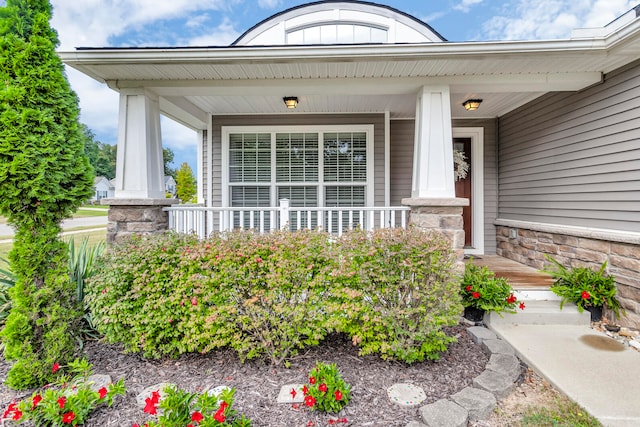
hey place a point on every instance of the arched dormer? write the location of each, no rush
(339, 22)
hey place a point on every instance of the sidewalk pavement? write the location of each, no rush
(91, 221)
(595, 371)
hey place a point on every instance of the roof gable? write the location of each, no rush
(339, 22)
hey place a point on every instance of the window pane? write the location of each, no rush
(346, 196)
(345, 157)
(328, 34)
(378, 35)
(250, 157)
(295, 37)
(345, 33)
(249, 197)
(297, 157)
(312, 35)
(306, 196)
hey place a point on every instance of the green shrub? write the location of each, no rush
(480, 288)
(584, 286)
(7, 281)
(400, 290)
(272, 295)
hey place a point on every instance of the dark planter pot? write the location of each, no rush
(474, 314)
(596, 313)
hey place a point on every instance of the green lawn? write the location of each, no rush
(83, 212)
(93, 236)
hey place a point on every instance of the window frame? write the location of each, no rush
(368, 129)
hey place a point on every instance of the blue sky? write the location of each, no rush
(101, 23)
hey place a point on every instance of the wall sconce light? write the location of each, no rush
(290, 101)
(471, 104)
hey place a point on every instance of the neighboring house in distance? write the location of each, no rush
(103, 188)
(170, 185)
(551, 130)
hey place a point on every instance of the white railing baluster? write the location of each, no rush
(202, 220)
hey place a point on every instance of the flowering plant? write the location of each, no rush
(480, 288)
(584, 286)
(67, 402)
(181, 408)
(326, 390)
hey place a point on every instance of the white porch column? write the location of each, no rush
(139, 163)
(433, 148)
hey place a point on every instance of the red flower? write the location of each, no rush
(102, 392)
(322, 387)
(55, 367)
(12, 407)
(190, 425)
(68, 417)
(219, 416)
(36, 399)
(62, 401)
(522, 306)
(468, 288)
(258, 260)
(224, 405)
(585, 295)
(194, 301)
(310, 423)
(293, 393)
(476, 295)
(17, 414)
(338, 395)
(305, 390)
(511, 299)
(197, 416)
(312, 380)
(150, 406)
(310, 401)
(155, 396)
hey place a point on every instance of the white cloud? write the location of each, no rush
(465, 5)
(177, 136)
(268, 4)
(223, 35)
(551, 19)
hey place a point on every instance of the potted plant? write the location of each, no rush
(482, 291)
(589, 289)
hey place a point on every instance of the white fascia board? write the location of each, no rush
(331, 53)
(370, 86)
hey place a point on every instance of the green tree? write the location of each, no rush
(186, 185)
(102, 157)
(167, 158)
(45, 176)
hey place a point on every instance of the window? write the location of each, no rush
(319, 167)
(341, 33)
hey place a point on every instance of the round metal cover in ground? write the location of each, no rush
(406, 395)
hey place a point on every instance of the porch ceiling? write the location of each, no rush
(195, 82)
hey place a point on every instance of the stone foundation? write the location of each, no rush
(579, 249)
(136, 216)
(441, 215)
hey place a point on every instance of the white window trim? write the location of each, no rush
(476, 134)
(367, 129)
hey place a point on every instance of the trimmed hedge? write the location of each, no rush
(272, 295)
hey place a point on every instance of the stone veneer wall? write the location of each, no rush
(623, 259)
(136, 216)
(442, 216)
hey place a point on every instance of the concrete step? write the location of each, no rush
(540, 312)
(535, 294)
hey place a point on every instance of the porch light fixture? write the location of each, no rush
(290, 101)
(471, 104)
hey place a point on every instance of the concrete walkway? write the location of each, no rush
(7, 231)
(597, 372)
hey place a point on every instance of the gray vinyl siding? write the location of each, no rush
(574, 158)
(402, 135)
(377, 120)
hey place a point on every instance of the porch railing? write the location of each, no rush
(336, 220)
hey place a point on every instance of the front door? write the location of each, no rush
(463, 187)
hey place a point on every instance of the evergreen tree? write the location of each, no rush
(186, 184)
(44, 177)
(102, 157)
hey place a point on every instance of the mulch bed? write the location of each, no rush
(258, 384)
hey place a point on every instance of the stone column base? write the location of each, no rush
(443, 216)
(136, 216)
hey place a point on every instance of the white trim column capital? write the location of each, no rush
(433, 150)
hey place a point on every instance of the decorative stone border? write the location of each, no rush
(476, 403)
